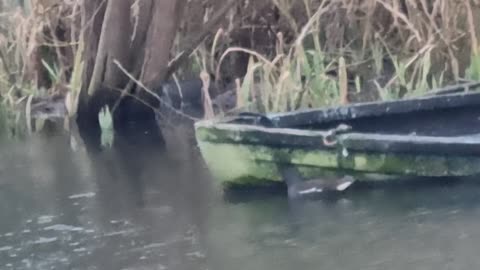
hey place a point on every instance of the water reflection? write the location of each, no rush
(60, 210)
(431, 227)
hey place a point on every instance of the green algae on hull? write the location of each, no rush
(244, 154)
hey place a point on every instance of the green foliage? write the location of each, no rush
(11, 125)
(106, 125)
(413, 77)
(4, 127)
(296, 78)
(53, 72)
(473, 71)
(324, 90)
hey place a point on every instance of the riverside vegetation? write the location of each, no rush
(266, 55)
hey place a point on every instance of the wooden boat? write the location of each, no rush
(430, 136)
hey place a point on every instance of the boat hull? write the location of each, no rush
(251, 155)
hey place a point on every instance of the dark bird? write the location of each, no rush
(299, 187)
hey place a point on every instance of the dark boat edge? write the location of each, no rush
(443, 98)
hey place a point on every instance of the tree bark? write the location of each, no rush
(161, 33)
(139, 35)
(113, 45)
(93, 13)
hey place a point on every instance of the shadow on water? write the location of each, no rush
(121, 209)
(130, 209)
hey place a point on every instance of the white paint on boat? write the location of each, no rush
(82, 195)
(344, 186)
(310, 190)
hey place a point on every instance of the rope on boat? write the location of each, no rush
(331, 138)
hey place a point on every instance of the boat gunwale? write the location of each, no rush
(351, 141)
(375, 109)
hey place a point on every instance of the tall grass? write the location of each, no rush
(36, 58)
(295, 78)
(428, 43)
(301, 54)
(473, 71)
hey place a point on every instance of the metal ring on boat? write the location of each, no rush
(342, 128)
(327, 142)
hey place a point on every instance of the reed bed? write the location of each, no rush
(274, 55)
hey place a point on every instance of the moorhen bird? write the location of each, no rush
(299, 187)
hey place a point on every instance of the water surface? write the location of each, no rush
(58, 211)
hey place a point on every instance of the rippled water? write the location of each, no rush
(57, 212)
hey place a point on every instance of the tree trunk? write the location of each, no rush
(89, 130)
(138, 34)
